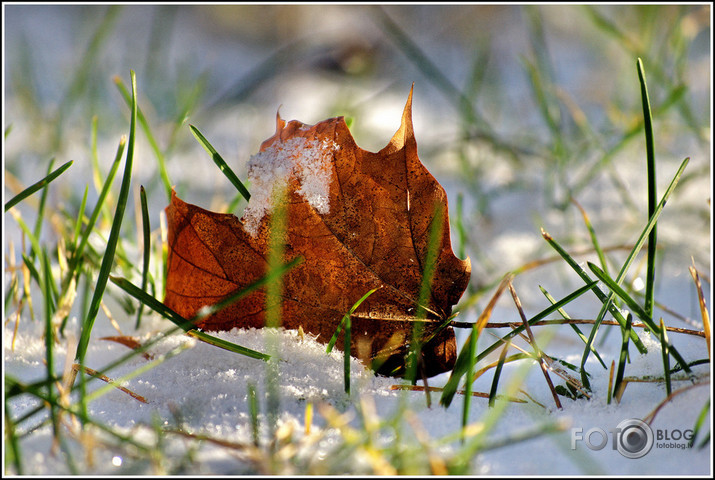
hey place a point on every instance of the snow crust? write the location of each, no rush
(303, 159)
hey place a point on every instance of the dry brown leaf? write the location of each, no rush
(360, 220)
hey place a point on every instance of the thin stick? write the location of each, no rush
(76, 367)
(575, 321)
(532, 341)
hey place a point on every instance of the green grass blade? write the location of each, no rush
(146, 231)
(161, 160)
(124, 439)
(221, 163)
(13, 454)
(428, 270)
(253, 412)
(110, 386)
(43, 200)
(592, 234)
(637, 309)
(462, 363)
(497, 373)
(80, 218)
(346, 354)
(472, 345)
(108, 258)
(597, 291)
(652, 193)
(622, 359)
(700, 422)
(355, 306)
(34, 274)
(34, 243)
(37, 186)
(575, 328)
(228, 346)
(74, 261)
(666, 357)
(49, 336)
(188, 324)
(459, 226)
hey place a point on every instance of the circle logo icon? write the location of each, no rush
(635, 438)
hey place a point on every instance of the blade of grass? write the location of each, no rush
(346, 354)
(617, 388)
(461, 364)
(428, 268)
(536, 318)
(592, 234)
(221, 163)
(601, 296)
(274, 297)
(473, 339)
(43, 200)
(188, 325)
(161, 160)
(37, 186)
(13, 454)
(139, 350)
(699, 423)
(14, 384)
(80, 218)
(75, 260)
(497, 373)
(146, 230)
(355, 306)
(459, 226)
(253, 412)
(637, 309)
(652, 193)
(34, 243)
(49, 337)
(563, 313)
(490, 420)
(108, 258)
(666, 357)
(112, 384)
(346, 349)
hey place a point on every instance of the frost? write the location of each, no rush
(307, 160)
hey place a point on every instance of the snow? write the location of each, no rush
(304, 159)
(204, 389)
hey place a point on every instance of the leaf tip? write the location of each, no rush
(280, 123)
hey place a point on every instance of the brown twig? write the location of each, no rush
(532, 341)
(574, 321)
(76, 367)
(128, 342)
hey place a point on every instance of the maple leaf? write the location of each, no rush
(360, 220)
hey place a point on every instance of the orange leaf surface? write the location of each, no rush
(360, 220)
